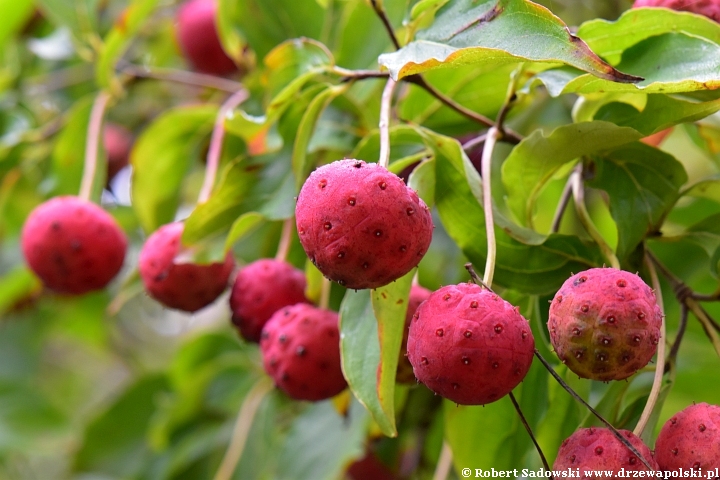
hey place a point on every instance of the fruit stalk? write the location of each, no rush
(213, 158)
(285, 239)
(91, 144)
(249, 408)
(485, 171)
(578, 190)
(384, 125)
(660, 362)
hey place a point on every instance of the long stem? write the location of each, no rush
(485, 171)
(325, 293)
(444, 462)
(249, 408)
(213, 157)
(384, 124)
(529, 431)
(562, 206)
(181, 76)
(92, 143)
(577, 397)
(285, 239)
(578, 190)
(660, 363)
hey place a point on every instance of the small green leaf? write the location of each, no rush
(79, 16)
(160, 159)
(68, 157)
(16, 285)
(245, 223)
(496, 32)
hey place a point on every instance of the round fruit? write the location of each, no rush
(417, 296)
(182, 286)
(73, 245)
(690, 439)
(599, 449)
(300, 346)
(605, 324)
(117, 141)
(709, 8)
(260, 289)
(198, 38)
(361, 225)
(469, 345)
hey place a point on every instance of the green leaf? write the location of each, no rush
(160, 159)
(610, 39)
(119, 38)
(224, 205)
(497, 32)
(371, 329)
(16, 285)
(27, 416)
(245, 223)
(14, 14)
(68, 157)
(708, 187)
(79, 16)
(534, 161)
(643, 184)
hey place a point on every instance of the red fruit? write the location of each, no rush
(361, 225)
(117, 141)
(469, 345)
(260, 289)
(198, 38)
(709, 8)
(605, 324)
(73, 245)
(417, 296)
(182, 286)
(370, 468)
(301, 351)
(598, 449)
(690, 439)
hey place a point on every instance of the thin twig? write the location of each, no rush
(285, 239)
(474, 142)
(713, 297)
(181, 76)
(386, 23)
(486, 168)
(529, 431)
(92, 142)
(475, 277)
(578, 190)
(672, 356)
(348, 75)
(384, 124)
(577, 397)
(444, 462)
(213, 157)
(660, 364)
(562, 206)
(245, 418)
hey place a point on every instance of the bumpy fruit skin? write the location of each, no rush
(690, 439)
(604, 324)
(198, 38)
(417, 296)
(598, 449)
(300, 346)
(469, 345)
(117, 141)
(361, 225)
(260, 289)
(182, 286)
(709, 8)
(73, 245)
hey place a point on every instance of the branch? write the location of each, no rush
(386, 23)
(384, 125)
(181, 76)
(92, 143)
(529, 430)
(562, 206)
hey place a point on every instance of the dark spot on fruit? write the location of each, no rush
(282, 338)
(572, 458)
(161, 276)
(357, 164)
(284, 377)
(524, 335)
(341, 282)
(365, 265)
(322, 183)
(466, 360)
(674, 451)
(606, 341)
(696, 466)
(424, 360)
(378, 233)
(580, 280)
(601, 357)
(673, 421)
(264, 334)
(498, 328)
(641, 316)
(495, 364)
(584, 308)
(610, 319)
(467, 334)
(340, 254)
(625, 358)
(701, 427)
(55, 225)
(559, 299)
(351, 201)
(273, 362)
(301, 232)
(517, 372)
(327, 226)
(636, 339)
(576, 331)
(632, 460)
(75, 245)
(473, 304)
(403, 248)
(382, 185)
(598, 450)
(621, 283)
(300, 352)
(439, 332)
(410, 211)
(579, 354)
(455, 386)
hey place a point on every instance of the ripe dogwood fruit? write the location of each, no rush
(469, 345)
(117, 141)
(300, 346)
(175, 284)
(198, 38)
(417, 296)
(260, 289)
(604, 324)
(73, 245)
(361, 225)
(709, 8)
(690, 439)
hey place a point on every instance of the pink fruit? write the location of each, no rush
(260, 289)
(73, 245)
(370, 468)
(598, 449)
(117, 141)
(198, 38)
(182, 286)
(469, 345)
(405, 373)
(361, 225)
(690, 439)
(300, 346)
(709, 8)
(604, 324)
